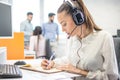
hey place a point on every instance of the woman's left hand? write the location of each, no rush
(72, 69)
(67, 67)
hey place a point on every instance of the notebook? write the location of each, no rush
(38, 68)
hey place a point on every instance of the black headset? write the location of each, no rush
(77, 15)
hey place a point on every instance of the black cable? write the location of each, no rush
(71, 32)
(80, 40)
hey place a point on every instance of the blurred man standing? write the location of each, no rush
(27, 27)
(51, 31)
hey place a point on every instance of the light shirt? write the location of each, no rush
(50, 30)
(40, 50)
(97, 55)
(27, 28)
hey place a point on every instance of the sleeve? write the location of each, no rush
(65, 58)
(110, 69)
(31, 47)
(22, 29)
(61, 61)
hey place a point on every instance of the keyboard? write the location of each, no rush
(10, 71)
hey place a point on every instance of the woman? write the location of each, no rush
(37, 42)
(90, 49)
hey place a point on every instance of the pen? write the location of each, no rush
(51, 57)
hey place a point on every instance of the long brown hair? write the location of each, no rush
(37, 32)
(91, 26)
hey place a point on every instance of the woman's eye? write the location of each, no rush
(64, 24)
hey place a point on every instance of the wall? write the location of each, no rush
(7, 1)
(106, 13)
(20, 9)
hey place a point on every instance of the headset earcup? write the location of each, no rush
(78, 17)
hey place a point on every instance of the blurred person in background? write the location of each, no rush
(27, 27)
(50, 31)
(37, 43)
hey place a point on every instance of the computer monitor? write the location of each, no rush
(5, 20)
(118, 32)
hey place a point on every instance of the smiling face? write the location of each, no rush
(66, 22)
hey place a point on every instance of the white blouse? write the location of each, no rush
(97, 55)
(41, 45)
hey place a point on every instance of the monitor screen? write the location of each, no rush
(5, 21)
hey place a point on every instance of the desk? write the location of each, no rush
(31, 75)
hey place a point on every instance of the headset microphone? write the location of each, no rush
(71, 32)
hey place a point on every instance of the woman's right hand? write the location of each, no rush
(46, 64)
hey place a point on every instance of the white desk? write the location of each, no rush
(31, 75)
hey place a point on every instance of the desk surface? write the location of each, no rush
(29, 75)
